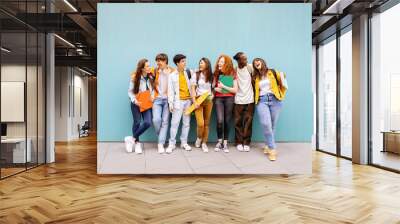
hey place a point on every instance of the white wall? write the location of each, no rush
(71, 93)
(61, 103)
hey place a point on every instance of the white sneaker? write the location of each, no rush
(218, 146)
(129, 144)
(239, 147)
(246, 148)
(197, 143)
(138, 148)
(186, 147)
(161, 148)
(204, 147)
(225, 148)
(170, 148)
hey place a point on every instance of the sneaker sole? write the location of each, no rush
(129, 149)
(171, 151)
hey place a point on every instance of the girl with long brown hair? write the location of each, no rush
(225, 88)
(201, 84)
(141, 81)
(270, 89)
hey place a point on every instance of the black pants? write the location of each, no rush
(224, 107)
(243, 123)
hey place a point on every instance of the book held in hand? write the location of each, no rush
(227, 80)
(199, 101)
(144, 99)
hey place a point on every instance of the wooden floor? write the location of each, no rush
(5, 172)
(70, 191)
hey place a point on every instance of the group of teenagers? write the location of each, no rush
(173, 90)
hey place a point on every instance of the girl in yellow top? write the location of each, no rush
(270, 90)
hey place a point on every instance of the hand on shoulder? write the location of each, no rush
(171, 69)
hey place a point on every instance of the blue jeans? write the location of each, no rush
(161, 118)
(268, 109)
(139, 126)
(178, 115)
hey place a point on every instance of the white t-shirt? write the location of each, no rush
(201, 86)
(265, 86)
(245, 93)
(162, 84)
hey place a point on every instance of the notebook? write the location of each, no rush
(227, 80)
(144, 99)
(199, 101)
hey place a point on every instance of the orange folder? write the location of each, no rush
(144, 99)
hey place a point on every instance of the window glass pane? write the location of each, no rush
(386, 89)
(41, 97)
(31, 97)
(327, 96)
(22, 87)
(14, 153)
(346, 93)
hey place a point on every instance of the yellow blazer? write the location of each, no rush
(278, 90)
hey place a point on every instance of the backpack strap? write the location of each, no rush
(147, 80)
(277, 82)
(197, 78)
(189, 74)
(276, 78)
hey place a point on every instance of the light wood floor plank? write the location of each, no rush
(70, 191)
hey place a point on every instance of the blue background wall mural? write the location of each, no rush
(279, 33)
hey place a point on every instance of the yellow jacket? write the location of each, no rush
(156, 73)
(278, 90)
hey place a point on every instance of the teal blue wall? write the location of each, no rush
(279, 33)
